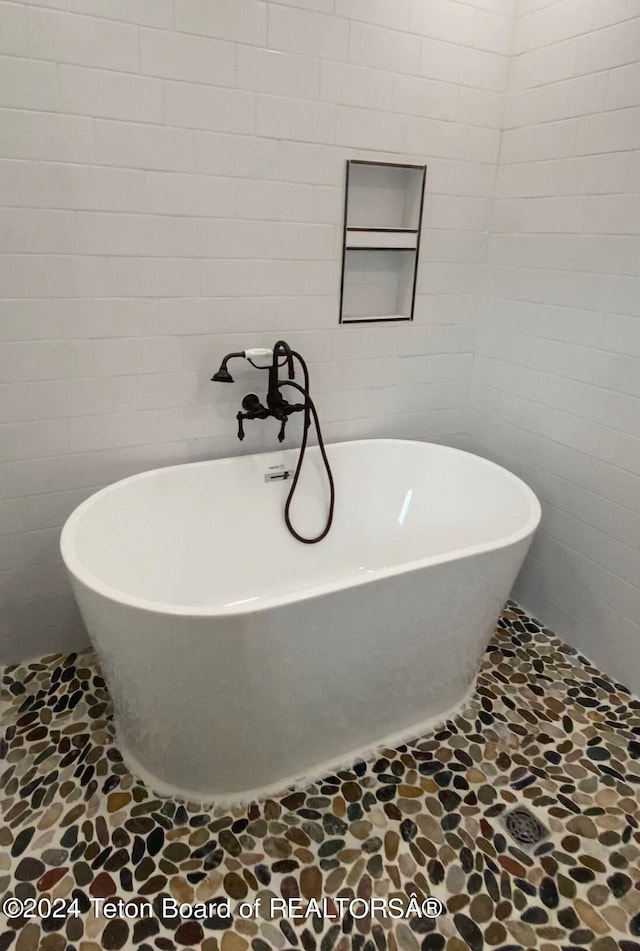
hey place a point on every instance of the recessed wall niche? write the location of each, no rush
(382, 221)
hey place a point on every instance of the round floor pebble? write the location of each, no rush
(319, 868)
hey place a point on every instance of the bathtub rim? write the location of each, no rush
(78, 570)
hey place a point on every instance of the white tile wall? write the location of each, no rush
(555, 393)
(171, 188)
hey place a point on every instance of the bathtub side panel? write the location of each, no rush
(222, 706)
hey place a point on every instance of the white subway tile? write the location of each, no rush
(41, 135)
(438, 368)
(272, 315)
(173, 193)
(52, 621)
(45, 359)
(286, 201)
(425, 97)
(19, 183)
(14, 29)
(26, 230)
(442, 20)
(302, 31)
(562, 20)
(588, 175)
(117, 357)
(314, 164)
(87, 41)
(108, 317)
(495, 72)
(357, 86)
(483, 145)
(632, 179)
(30, 548)
(34, 581)
(549, 64)
(107, 233)
(505, 7)
(609, 132)
(28, 84)
(112, 95)
(278, 73)
(430, 137)
(153, 277)
(442, 60)
(354, 404)
(615, 11)
(544, 215)
(27, 511)
(120, 462)
(393, 15)
(623, 87)
(493, 32)
(612, 215)
(26, 440)
(366, 129)
(480, 107)
(235, 155)
(584, 435)
(448, 177)
(159, 13)
(320, 6)
(203, 237)
(456, 213)
(222, 278)
(196, 59)
(54, 4)
(134, 145)
(527, 144)
(383, 49)
(109, 431)
(627, 452)
(90, 187)
(154, 390)
(24, 402)
(53, 276)
(298, 119)
(196, 106)
(573, 97)
(613, 254)
(428, 396)
(610, 47)
(242, 21)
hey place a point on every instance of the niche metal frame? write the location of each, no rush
(415, 249)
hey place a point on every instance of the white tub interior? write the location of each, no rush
(211, 536)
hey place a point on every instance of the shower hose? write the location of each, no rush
(309, 411)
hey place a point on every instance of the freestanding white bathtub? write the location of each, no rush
(239, 659)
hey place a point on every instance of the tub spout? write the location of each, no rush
(222, 375)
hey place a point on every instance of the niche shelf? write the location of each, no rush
(382, 219)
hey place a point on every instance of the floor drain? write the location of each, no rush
(524, 828)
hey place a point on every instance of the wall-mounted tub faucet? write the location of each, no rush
(272, 360)
(277, 406)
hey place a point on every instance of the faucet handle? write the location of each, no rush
(251, 403)
(239, 417)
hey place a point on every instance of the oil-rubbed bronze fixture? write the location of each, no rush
(278, 407)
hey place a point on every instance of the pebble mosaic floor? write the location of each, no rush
(545, 728)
